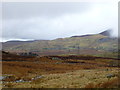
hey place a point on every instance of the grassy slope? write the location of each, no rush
(98, 42)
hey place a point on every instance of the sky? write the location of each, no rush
(51, 20)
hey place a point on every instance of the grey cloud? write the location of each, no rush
(56, 20)
(22, 10)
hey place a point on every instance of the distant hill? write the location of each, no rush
(106, 33)
(14, 43)
(85, 44)
(82, 36)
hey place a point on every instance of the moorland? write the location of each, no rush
(89, 61)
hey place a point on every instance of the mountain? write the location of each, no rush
(106, 33)
(14, 43)
(85, 44)
(82, 36)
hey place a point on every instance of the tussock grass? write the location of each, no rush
(68, 72)
(77, 79)
(114, 83)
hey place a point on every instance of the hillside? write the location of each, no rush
(14, 43)
(86, 44)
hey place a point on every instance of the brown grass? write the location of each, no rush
(44, 65)
(108, 84)
(35, 66)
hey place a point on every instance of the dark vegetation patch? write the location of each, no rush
(6, 56)
(79, 57)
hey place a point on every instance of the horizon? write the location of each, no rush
(110, 31)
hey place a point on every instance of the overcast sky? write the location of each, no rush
(51, 20)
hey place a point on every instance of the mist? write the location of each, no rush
(51, 20)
